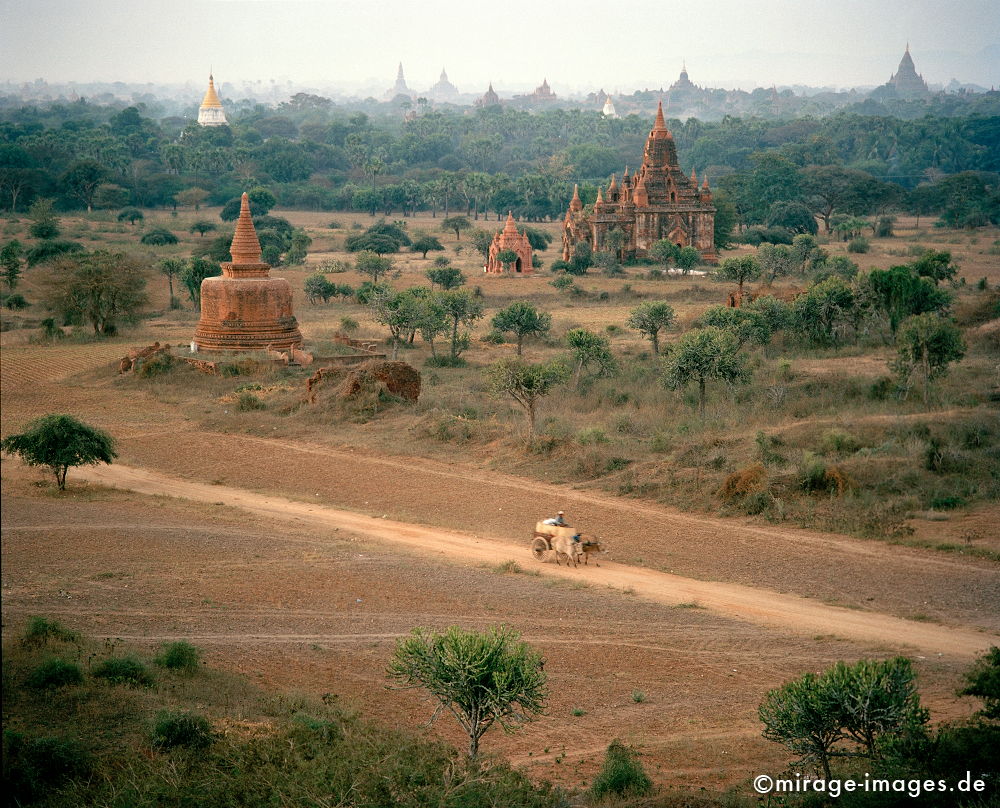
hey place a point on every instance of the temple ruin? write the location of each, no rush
(510, 239)
(657, 202)
(245, 309)
(210, 113)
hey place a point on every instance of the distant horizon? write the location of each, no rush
(578, 47)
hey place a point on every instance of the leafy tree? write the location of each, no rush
(740, 270)
(380, 238)
(802, 716)
(424, 243)
(793, 216)
(776, 261)
(82, 180)
(507, 258)
(456, 224)
(11, 260)
(201, 227)
(664, 251)
(899, 292)
(193, 197)
(44, 223)
(373, 265)
(130, 215)
(583, 258)
(197, 269)
(650, 318)
(687, 259)
(47, 250)
(296, 254)
(446, 277)
(481, 240)
(745, 324)
(725, 220)
(935, 265)
(703, 354)
(821, 310)
(261, 201)
(927, 343)
(588, 348)
(172, 268)
(983, 682)
(158, 237)
(526, 383)
(481, 678)
(318, 288)
(102, 288)
(615, 240)
(433, 320)
(522, 320)
(59, 442)
(462, 309)
(400, 311)
(539, 240)
(621, 775)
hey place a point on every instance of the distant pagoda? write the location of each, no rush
(608, 111)
(245, 309)
(905, 83)
(510, 238)
(399, 88)
(489, 98)
(210, 113)
(444, 90)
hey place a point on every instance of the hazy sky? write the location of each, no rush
(581, 45)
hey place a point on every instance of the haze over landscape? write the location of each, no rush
(579, 46)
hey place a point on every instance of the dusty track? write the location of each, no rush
(758, 606)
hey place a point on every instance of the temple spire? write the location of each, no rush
(245, 248)
(510, 227)
(660, 124)
(575, 203)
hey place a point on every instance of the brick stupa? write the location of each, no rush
(246, 309)
(510, 239)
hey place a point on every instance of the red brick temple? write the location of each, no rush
(245, 309)
(658, 202)
(510, 239)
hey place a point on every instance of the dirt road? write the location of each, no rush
(759, 606)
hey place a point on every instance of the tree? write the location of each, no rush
(373, 265)
(802, 716)
(522, 320)
(927, 343)
(650, 318)
(131, 215)
(507, 258)
(935, 265)
(102, 288)
(159, 237)
(82, 179)
(192, 197)
(703, 354)
(746, 324)
(539, 240)
(433, 320)
(462, 309)
(983, 682)
(59, 442)
(687, 259)
(481, 678)
(615, 240)
(525, 383)
(318, 288)
(739, 270)
(261, 201)
(400, 311)
(446, 277)
(424, 243)
(792, 216)
(201, 227)
(172, 268)
(827, 305)
(44, 223)
(588, 348)
(197, 269)
(776, 260)
(621, 775)
(481, 240)
(297, 248)
(456, 224)
(11, 260)
(899, 292)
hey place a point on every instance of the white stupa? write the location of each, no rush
(210, 113)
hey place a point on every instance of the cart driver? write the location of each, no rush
(556, 520)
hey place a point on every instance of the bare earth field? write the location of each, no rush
(299, 559)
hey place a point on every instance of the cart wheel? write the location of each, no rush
(539, 547)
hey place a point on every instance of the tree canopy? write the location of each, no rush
(61, 442)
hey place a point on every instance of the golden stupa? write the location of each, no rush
(210, 113)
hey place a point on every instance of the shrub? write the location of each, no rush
(47, 250)
(158, 237)
(156, 366)
(32, 767)
(16, 302)
(836, 441)
(187, 730)
(40, 630)
(621, 775)
(179, 656)
(349, 325)
(591, 436)
(638, 696)
(858, 245)
(53, 673)
(815, 476)
(248, 402)
(743, 482)
(124, 671)
(947, 502)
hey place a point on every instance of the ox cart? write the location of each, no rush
(563, 540)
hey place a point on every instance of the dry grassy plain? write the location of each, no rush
(297, 606)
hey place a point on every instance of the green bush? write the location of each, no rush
(188, 730)
(591, 436)
(180, 656)
(40, 630)
(16, 302)
(53, 673)
(32, 767)
(622, 775)
(158, 237)
(124, 671)
(947, 502)
(858, 245)
(247, 402)
(156, 366)
(836, 441)
(812, 473)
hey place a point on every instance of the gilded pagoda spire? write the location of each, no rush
(211, 98)
(245, 248)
